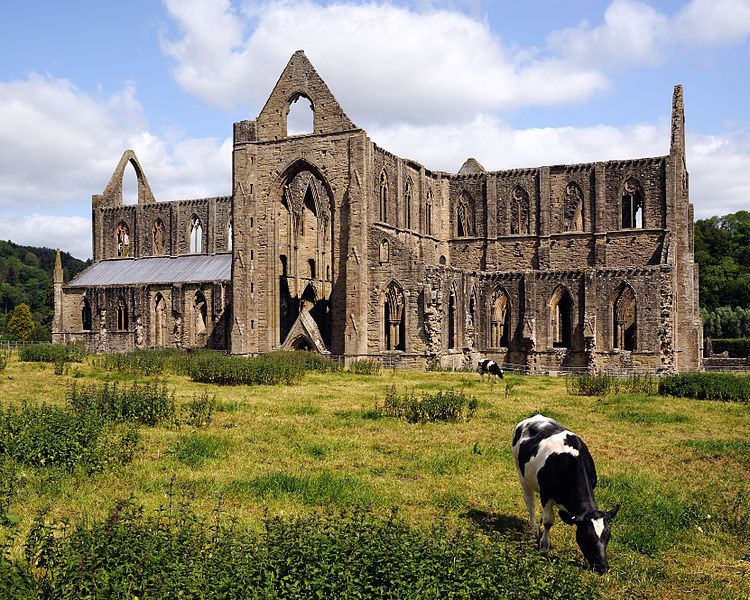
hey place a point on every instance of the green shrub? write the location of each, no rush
(4, 359)
(365, 367)
(152, 361)
(49, 436)
(200, 410)
(341, 555)
(145, 403)
(736, 347)
(268, 369)
(707, 386)
(52, 353)
(448, 405)
(591, 385)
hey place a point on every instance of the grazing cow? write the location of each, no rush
(487, 366)
(555, 463)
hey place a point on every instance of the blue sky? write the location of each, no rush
(515, 84)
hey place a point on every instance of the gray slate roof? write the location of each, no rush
(159, 269)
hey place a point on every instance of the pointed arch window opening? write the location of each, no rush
(428, 213)
(300, 118)
(196, 235)
(122, 239)
(407, 205)
(561, 319)
(625, 320)
(519, 223)
(230, 235)
(158, 237)
(465, 216)
(160, 321)
(383, 212)
(121, 315)
(129, 185)
(200, 310)
(452, 325)
(500, 320)
(86, 316)
(573, 216)
(394, 319)
(632, 204)
(385, 252)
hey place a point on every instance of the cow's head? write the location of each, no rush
(592, 535)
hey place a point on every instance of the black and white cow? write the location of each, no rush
(489, 367)
(555, 463)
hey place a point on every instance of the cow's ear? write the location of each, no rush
(568, 518)
(611, 514)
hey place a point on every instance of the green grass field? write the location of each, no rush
(679, 468)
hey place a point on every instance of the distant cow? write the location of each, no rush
(555, 463)
(489, 367)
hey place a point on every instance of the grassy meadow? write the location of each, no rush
(680, 468)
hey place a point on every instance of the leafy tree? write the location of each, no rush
(21, 323)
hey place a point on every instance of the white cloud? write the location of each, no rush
(633, 33)
(383, 61)
(70, 234)
(59, 145)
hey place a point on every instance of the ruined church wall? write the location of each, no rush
(214, 213)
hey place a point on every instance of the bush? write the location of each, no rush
(448, 405)
(52, 353)
(145, 403)
(4, 359)
(601, 385)
(153, 361)
(365, 367)
(200, 410)
(48, 436)
(736, 347)
(591, 385)
(340, 555)
(268, 369)
(707, 386)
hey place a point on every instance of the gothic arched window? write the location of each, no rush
(624, 319)
(86, 315)
(561, 318)
(519, 222)
(428, 213)
(157, 237)
(465, 215)
(500, 320)
(393, 318)
(383, 213)
(407, 204)
(121, 314)
(573, 207)
(122, 236)
(632, 204)
(196, 235)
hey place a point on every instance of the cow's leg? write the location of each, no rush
(528, 498)
(548, 519)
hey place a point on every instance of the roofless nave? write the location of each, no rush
(330, 242)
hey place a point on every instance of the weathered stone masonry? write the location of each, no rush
(329, 242)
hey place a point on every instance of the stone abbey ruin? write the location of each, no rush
(331, 243)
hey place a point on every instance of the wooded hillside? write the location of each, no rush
(26, 277)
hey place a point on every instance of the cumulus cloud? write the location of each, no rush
(59, 145)
(384, 61)
(633, 33)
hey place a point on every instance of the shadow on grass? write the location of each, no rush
(507, 526)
